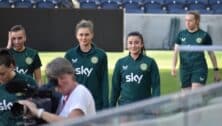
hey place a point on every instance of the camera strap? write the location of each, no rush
(62, 103)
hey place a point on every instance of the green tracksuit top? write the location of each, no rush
(193, 60)
(26, 61)
(134, 80)
(91, 70)
(6, 102)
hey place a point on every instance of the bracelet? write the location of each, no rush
(216, 69)
(39, 112)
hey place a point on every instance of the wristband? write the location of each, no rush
(216, 69)
(39, 112)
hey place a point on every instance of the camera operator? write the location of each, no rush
(7, 74)
(76, 100)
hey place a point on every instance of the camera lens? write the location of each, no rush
(54, 81)
(17, 109)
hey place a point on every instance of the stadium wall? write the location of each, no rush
(159, 30)
(54, 29)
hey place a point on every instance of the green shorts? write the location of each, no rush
(189, 76)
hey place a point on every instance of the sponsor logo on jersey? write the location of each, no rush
(134, 78)
(21, 71)
(94, 60)
(201, 78)
(199, 40)
(125, 67)
(183, 39)
(143, 66)
(5, 106)
(74, 60)
(28, 60)
(83, 71)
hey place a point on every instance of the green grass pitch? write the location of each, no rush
(169, 84)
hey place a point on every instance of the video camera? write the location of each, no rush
(41, 97)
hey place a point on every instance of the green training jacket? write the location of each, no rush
(134, 80)
(91, 70)
(26, 61)
(8, 99)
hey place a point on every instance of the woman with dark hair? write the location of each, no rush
(7, 75)
(136, 76)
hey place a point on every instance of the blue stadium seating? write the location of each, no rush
(133, 7)
(217, 9)
(212, 2)
(176, 6)
(130, 1)
(155, 6)
(118, 1)
(216, 6)
(200, 5)
(88, 1)
(203, 2)
(5, 4)
(45, 4)
(110, 4)
(57, 1)
(89, 4)
(130, 6)
(63, 3)
(23, 4)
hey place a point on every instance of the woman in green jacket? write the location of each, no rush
(136, 76)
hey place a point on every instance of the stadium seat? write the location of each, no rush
(93, 4)
(5, 4)
(155, 6)
(203, 2)
(212, 2)
(176, 6)
(45, 4)
(110, 4)
(118, 1)
(133, 7)
(84, 0)
(23, 3)
(64, 3)
(216, 6)
(217, 9)
(131, 1)
(200, 5)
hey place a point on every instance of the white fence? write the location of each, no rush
(200, 107)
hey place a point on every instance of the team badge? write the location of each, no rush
(74, 60)
(125, 67)
(202, 79)
(199, 40)
(94, 60)
(143, 66)
(183, 39)
(28, 60)
(19, 94)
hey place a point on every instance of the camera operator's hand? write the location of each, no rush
(31, 107)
